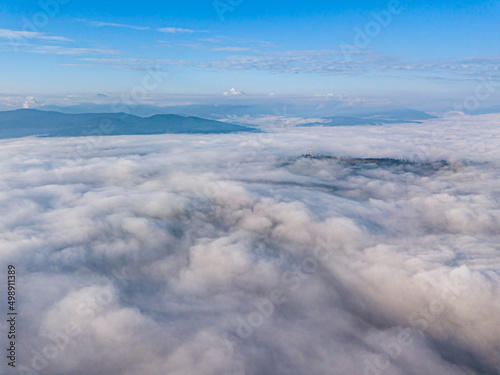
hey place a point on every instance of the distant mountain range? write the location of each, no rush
(222, 111)
(29, 122)
(34, 122)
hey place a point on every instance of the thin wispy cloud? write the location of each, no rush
(285, 62)
(471, 66)
(328, 62)
(109, 60)
(227, 39)
(232, 49)
(320, 61)
(331, 62)
(177, 30)
(41, 43)
(202, 46)
(110, 24)
(211, 40)
(133, 64)
(17, 35)
(58, 50)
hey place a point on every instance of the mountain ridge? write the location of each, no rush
(33, 122)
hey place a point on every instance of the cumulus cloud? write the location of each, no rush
(233, 91)
(227, 254)
(30, 101)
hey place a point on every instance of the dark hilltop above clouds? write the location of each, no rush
(30, 122)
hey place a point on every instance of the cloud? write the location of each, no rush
(30, 101)
(337, 62)
(71, 51)
(230, 254)
(471, 67)
(286, 62)
(233, 91)
(226, 39)
(16, 36)
(122, 63)
(176, 30)
(34, 42)
(231, 49)
(109, 24)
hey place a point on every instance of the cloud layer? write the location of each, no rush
(226, 254)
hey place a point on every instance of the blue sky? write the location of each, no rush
(390, 50)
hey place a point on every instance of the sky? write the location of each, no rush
(401, 52)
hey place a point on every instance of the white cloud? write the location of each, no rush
(110, 24)
(336, 62)
(17, 36)
(30, 101)
(161, 254)
(71, 51)
(231, 49)
(35, 42)
(176, 30)
(233, 91)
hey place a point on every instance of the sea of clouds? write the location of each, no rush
(227, 254)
